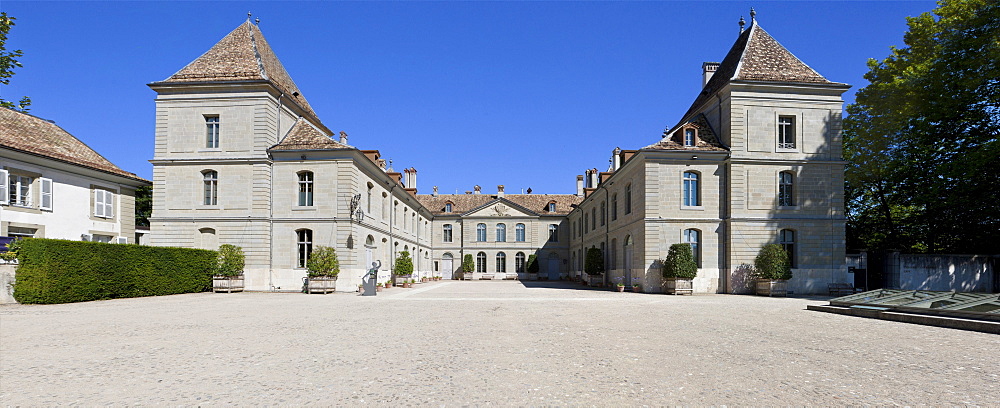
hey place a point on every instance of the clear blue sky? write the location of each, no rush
(525, 94)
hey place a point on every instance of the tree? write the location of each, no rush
(467, 264)
(772, 263)
(404, 264)
(922, 138)
(593, 264)
(323, 262)
(532, 266)
(8, 61)
(230, 261)
(143, 205)
(679, 263)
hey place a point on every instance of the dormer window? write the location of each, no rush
(689, 137)
(552, 206)
(447, 207)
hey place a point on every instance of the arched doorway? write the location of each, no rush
(369, 251)
(447, 266)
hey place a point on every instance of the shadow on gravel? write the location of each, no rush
(560, 285)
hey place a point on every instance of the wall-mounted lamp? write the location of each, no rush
(693, 157)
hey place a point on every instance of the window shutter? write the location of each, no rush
(98, 202)
(109, 204)
(4, 194)
(46, 194)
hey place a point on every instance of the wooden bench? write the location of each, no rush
(841, 289)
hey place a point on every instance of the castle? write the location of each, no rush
(241, 158)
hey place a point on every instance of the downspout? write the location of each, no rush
(392, 238)
(270, 207)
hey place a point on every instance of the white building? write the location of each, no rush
(53, 186)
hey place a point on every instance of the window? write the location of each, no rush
(519, 262)
(46, 187)
(104, 203)
(614, 207)
(385, 205)
(691, 189)
(501, 262)
(20, 232)
(604, 213)
(447, 207)
(693, 237)
(519, 232)
(501, 232)
(552, 206)
(305, 246)
(553, 233)
(614, 255)
(306, 189)
(212, 132)
(593, 218)
(628, 199)
(586, 223)
(481, 233)
(20, 190)
(689, 137)
(447, 233)
(368, 199)
(787, 240)
(481, 262)
(211, 178)
(786, 184)
(786, 132)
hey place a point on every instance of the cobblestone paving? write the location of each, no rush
(482, 343)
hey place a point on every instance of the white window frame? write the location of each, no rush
(519, 235)
(212, 130)
(303, 247)
(690, 136)
(104, 203)
(787, 238)
(19, 190)
(46, 187)
(4, 188)
(210, 187)
(447, 232)
(481, 232)
(781, 137)
(553, 233)
(691, 189)
(501, 266)
(692, 237)
(501, 232)
(786, 190)
(306, 188)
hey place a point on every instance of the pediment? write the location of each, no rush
(499, 209)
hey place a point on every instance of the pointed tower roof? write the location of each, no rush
(303, 136)
(39, 137)
(242, 55)
(756, 56)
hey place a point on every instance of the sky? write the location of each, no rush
(524, 94)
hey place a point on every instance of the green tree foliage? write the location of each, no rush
(230, 261)
(8, 61)
(593, 263)
(467, 264)
(323, 262)
(143, 205)
(532, 266)
(680, 263)
(921, 139)
(772, 263)
(404, 264)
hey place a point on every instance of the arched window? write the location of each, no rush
(304, 246)
(604, 213)
(211, 179)
(519, 232)
(786, 238)
(501, 262)
(447, 233)
(691, 189)
(628, 199)
(209, 240)
(552, 206)
(553, 233)
(593, 218)
(501, 232)
(614, 254)
(368, 198)
(786, 189)
(406, 219)
(693, 237)
(385, 206)
(689, 135)
(614, 207)
(481, 262)
(447, 207)
(370, 241)
(481, 233)
(305, 189)
(519, 262)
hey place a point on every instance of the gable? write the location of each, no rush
(499, 209)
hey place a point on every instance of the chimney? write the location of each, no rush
(413, 178)
(593, 177)
(617, 159)
(500, 190)
(435, 194)
(381, 164)
(707, 70)
(343, 137)
(579, 185)
(406, 178)
(479, 190)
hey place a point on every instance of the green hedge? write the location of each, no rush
(58, 271)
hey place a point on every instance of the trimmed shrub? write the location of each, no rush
(772, 263)
(404, 264)
(593, 264)
(323, 262)
(58, 271)
(230, 261)
(532, 263)
(467, 264)
(680, 263)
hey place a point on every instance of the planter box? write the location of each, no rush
(399, 279)
(678, 286)
(532, 276)
(772, 287)
(595, 280)
(227, 284)
(322, 285)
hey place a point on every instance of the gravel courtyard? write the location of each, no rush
(482, 343)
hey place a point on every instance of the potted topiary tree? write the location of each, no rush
(678, 270)
(228, 275)
(532, 267)
(772, 270)
(593, 265)
(467, 266)
(403, 267)
(323, 270)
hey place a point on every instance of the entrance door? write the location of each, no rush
(553, 268)
(446, 267)
(628, 260)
